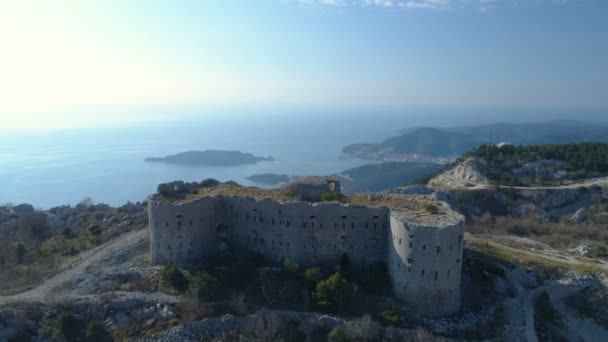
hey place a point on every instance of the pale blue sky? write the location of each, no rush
(61, 57)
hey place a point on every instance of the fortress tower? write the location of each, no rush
(420, 240)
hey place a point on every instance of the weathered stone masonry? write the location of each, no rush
(424, 259)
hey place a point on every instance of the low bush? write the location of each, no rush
(332, 293)
(68, 327)
(333, 197)
(96, 332)
(312, 275)
(430, 207)
(204, 286)
(291, 267)
(337, 334)
(174, 277)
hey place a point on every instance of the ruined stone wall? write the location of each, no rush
(184, 233)
(425, 264)
(424, 261)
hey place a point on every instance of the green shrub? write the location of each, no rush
(20, 252)
(67, 232)
(73, 251)
(173, 276)
(204, 286)
(94, 229)
(312, 275)
(68, 327)
(240, 271)
(337, 334)
(430, 207)
(392, 317)
(96, 332)
(291, 267)
(547, 320)
(333, 197)
(332, 293)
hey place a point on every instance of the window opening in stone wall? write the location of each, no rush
(344, 225)
(436, 275)
(352, 225)
(424, 247)
(399, 240)
(321, 225)
(303, 224)
(167, 223)
(457, 261)
(448, 274)
(450, 247)
(272, 221)
(438, 249)
(422, 273)
(287, 224)
(410, 244)
(335, 225)
(366, 225)
(376, 217)
(459, 239)
(190, 222)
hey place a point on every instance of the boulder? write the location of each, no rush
(579, 216)
(583, 250)
(523, 210)
(121, 319)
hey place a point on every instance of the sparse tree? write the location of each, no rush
(33, 225)
(204, 286)
(337, 334)
(87, 202)
(20, 252)
(332, 293)
(67, 232)
(96, 332)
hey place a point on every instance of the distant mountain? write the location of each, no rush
(426, 141)
(429, 144)
(210, 157)
(551, 132)
(383, 176)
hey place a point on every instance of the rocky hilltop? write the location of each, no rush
(529, 166)
(210, 157)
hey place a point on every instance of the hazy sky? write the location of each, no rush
(60, 59)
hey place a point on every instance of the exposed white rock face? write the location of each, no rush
(579, 216)
(462, 175)
(523, 210)
(583, 250)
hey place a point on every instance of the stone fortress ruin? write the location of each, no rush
(420, 239)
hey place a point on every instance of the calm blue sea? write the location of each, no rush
(63, 167)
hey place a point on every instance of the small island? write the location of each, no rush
(269, 178)
(210, 157)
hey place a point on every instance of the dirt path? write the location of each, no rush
(596, 181)
(42, 292)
